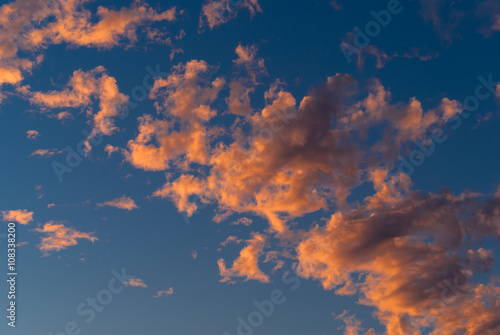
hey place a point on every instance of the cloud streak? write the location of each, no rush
(123, 202)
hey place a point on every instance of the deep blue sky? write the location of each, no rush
(299, 43)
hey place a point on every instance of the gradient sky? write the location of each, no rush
(342, 152)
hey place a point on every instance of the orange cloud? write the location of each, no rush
(403, 255)
(61, 116)
(81, 90)
(160, 294)
(123, 202)
(352, 325)
(230, 240)
(46, 152)
(135, 282)
(12, 68)
(67, 21)
(32, 134)
(21, 216)
(59, 237)
(184, 97)
(292, 158)
(241, 88)
(295, 157)
(242, 221)
(72, 23)
(247, 264)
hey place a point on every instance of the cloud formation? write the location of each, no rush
(135, 282)
(396, 249)
(164, 293)
(81, 91)
(247, 264)
(401, 251)
(123, 202)
(300, 158)
(217, 12)
(59, 237)
(32, 134)
(45, 153)
(21, 216)
(29, 26)
(184, 98)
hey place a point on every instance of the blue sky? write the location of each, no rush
(193, 180)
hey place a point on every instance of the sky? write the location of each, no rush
(222, 167)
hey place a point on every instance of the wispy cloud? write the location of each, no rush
(59, 237)
(32, 134)
(123, 202)
(164, 293)
(45, 153)
(217, 12)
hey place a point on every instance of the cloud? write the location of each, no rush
(242, 221)
(489, 10)
(61, 116)
(403, 251)
(292, 158)
(59, 237)
(123, 202)
(246, 265)
(32, 134)
(352, 325)
(444, 17)
(231, 240)
(11, 67)
(45, 153)
(29, 26)
(381, 57)
(240, 89)
(21, 216)
(111, 149)
(289, 158)
(72, 23)
(217, 12)
(80, 92)
(135, 282)
(160, 294)
(184, 98)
